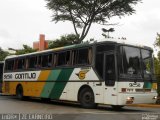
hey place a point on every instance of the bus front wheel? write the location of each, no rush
(19, 92)
(86, 98)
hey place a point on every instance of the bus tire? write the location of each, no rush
(86, 98)
(19, 92)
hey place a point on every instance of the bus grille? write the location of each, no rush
(143, 90)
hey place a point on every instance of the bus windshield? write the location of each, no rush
(147, 65)
(135, 63)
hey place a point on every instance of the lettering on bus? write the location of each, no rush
(134, 85)
(25, 76)
(20, 76)
(8, 76)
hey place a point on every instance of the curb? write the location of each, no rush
(2, 94)
(145, 105)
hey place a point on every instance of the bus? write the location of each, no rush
(107, 72)
(1, 74)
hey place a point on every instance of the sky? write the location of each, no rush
(21, 22)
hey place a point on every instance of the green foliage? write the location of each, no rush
(157, 63)
(3, 54)
(157, 73)
(26, 49)
(64, 40)
(82, 13)
(157, 42)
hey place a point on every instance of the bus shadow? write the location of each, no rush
(101, 108)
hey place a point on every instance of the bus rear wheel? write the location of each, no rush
(19, 92)
(86, 98)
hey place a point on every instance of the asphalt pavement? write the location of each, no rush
(72, 111)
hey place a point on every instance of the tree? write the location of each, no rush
(26, 49)
(157, 73)
(3, 54)
(107, 31)
(157, 64)
(157, 41)
(64, 40)
(82, 13)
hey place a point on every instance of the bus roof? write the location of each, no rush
(123, 42)
(114, 41)
(50, 50)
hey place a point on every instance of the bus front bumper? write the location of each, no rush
(136, 98)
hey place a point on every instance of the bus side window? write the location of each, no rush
(44, 60)
(75, 56)
(15, 64)
(72, 57)
(90, 53)
(27, 63)
(21, 63)
(82, 56)
(32, 62)
(9, 65)
(55, 60)
(50, 59)
(64, 58)
(61, 59)
(39, 63)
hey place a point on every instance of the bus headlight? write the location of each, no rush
(155, 97)
(129, 100)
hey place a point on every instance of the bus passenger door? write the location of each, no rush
(110, 77)
(109, 69)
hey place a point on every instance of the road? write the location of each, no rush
(72, 111)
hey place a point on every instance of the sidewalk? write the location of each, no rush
(146, 105)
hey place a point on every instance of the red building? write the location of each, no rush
(42, 44)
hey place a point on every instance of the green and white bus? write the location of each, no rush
(107, 72)
(1, 74)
